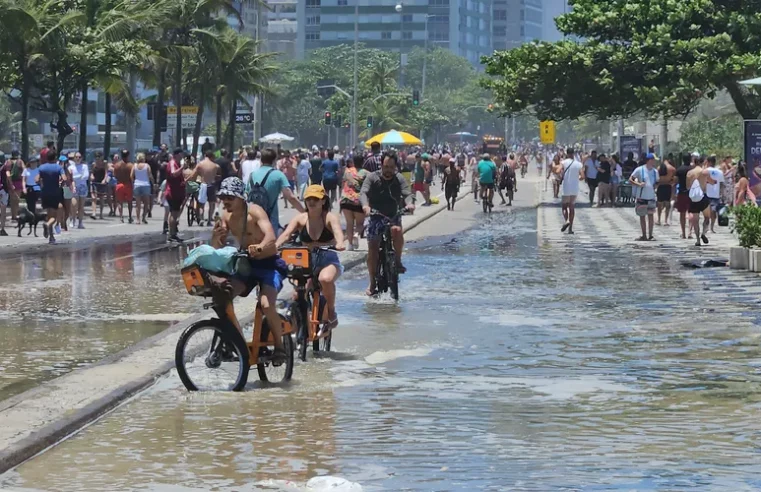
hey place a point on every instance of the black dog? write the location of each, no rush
(27, 217)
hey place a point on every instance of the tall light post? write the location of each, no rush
(399, 9)
(425, 55)
(353, 132)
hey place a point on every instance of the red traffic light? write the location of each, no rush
(327, 114)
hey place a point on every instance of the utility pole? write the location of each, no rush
(353, 131)
(258, 97)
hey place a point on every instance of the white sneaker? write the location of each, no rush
(355, 242)
(350, 247)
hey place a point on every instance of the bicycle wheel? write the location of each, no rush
(191, 214)
(322, 344)
(484, 203)
(392, 273)
(267, 371)
(300, 320)
(212, 356)
(380, 272)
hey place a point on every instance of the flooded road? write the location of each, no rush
(76, 306)
(506, 365)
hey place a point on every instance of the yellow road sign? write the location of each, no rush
(547, 132)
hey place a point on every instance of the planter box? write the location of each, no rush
(738, 258)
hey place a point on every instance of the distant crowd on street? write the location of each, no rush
(689, 183)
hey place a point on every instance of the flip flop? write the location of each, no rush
(565, 226)
(704, 239)
(371, 293)
(278, 357)
(641, 238)
(401, 268)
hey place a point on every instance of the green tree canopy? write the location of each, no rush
(657, 57)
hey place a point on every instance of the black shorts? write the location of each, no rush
(211, 193)
(352, 207)
(175, 204)
(329, 184)
(663, 193)
(51, 200)
(486, 186)
(697, 207)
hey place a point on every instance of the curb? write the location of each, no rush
(57, 430)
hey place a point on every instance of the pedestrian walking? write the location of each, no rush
(573, 173)
(644, 179)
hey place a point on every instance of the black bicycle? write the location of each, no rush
(387, 271)
(194, 215)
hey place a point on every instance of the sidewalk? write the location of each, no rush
(40, 417)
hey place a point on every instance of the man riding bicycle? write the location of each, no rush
(487, 171)
(384, 191)
(251, 226)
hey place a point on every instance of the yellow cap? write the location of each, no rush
(315, 191)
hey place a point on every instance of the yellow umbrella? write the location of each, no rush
(394, 138)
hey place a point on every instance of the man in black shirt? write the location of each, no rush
(629, 165)
(683, 193)
(226, 166)
(316, 174)
(384, 191)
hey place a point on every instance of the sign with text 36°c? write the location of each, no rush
(547, 132)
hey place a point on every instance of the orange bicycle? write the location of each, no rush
(211, 354)
(307, 311)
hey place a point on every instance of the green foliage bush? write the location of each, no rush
(748, 225)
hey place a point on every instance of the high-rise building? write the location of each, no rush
(553, 9)
(516, 22)
(282, 27)
(462, 26)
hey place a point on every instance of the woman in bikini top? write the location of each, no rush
(328, 266)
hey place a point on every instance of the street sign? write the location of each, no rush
(188, 116)
(245, 118)
(547, 132)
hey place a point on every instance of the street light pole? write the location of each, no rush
(353, 131)
(400, 8)
(425, 57)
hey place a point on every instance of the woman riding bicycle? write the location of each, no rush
(318, 227)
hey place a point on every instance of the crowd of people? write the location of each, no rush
(691, 184)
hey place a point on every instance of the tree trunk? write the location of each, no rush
(131, 118)
(231, 125)
(740, 98)
(178, 102)
(83, 121)
(107, 135)
(218, 136)
(159, 111)
(25, 115)
(62, 121)
(199, 118)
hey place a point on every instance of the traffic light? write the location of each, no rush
(338, 121)
(415, 97)
(369, 122)
(327, 118)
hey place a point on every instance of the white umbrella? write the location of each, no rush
(756, 81)
(276, 138)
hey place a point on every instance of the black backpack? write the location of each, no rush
(258, 193)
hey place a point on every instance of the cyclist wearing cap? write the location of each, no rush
(318, 227)
(250, 225)
(486, 170)
(384, 191)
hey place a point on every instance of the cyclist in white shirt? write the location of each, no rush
(573, 173)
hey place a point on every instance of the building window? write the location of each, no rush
(499, 31)
(313, 36)
(523, 14)
(439, 3)
(343, 3)
(407, 18)
(386, 35)
(523, 31)
(406, 35)
(500, 15)
(313, 20)
(313, 3)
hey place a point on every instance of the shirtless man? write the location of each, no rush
(251, 227)
(123, 174)
(697, 179)
(666, 179)
(207, 169)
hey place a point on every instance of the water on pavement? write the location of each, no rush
(76, 306)
(507, 365)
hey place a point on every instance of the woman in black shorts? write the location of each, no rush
(351, 207)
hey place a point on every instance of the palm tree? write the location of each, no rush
(24, 26)
(382, 75)
(186, 18)
(117, 90)
(386, 116)
(243, 72)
